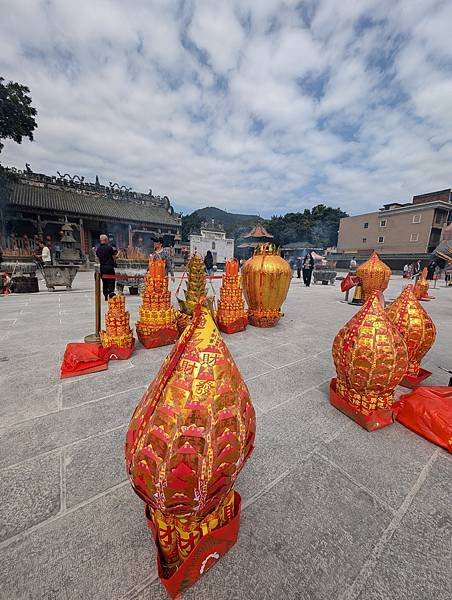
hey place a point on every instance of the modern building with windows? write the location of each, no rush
(212, 237)
(407, 229)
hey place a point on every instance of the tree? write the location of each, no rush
(17, 115)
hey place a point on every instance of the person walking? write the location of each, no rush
(299, 266)
(406, 268)
(208, 262)
(106, 255)
(308, 266)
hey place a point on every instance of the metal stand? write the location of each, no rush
(94, 338)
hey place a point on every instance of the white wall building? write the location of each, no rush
(213, 238)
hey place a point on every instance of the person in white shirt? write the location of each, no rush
(46, 255)
(353, 264)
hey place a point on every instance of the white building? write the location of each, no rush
(213, 238)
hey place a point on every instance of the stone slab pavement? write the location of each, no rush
(329, 511)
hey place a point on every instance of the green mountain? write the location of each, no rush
(233, 223)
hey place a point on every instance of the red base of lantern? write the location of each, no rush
(380, 417)
(120, 353)
(263, 321)
(162, 337)
(234, 327)
(208, 551)
(412, 381)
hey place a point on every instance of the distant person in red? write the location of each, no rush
(106, 255)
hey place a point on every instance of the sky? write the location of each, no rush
(253, 106)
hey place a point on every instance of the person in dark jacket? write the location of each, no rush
(308, 266)
(208, 262)
(106, 255)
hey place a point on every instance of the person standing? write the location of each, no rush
(46, 255)
(161, 253)
(353, 264)
(208, 262)
(106, 255)
(299, 266)
(406, 268)
(308, 266)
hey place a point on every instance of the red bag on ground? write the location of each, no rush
(428, 412)
(80, 359)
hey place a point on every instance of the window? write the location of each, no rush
(383, 223)
(381, 239)
(414, 237)
(213, 245)
(416, 218)
(366, 225)
(364, 240)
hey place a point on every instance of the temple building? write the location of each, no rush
(35, 207)
(212, 237)
(257, 235)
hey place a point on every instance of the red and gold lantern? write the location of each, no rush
(374, 275)
(371, 359)
(117, 334)
(188, 439)
(231, 314)
(156, 325)
(266, 279)
(421, 286)
(415, 326)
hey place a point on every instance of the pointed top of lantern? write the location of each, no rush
(414, 325)
(370, 356)
(185, 404)
(374, 275)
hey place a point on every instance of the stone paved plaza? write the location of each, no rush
(329, 510)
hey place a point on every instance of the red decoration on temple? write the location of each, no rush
(156, 325)
(231, 314)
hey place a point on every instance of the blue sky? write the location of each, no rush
(261, 106)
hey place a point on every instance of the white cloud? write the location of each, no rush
(250, 105)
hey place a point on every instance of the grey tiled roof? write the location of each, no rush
(70, 201)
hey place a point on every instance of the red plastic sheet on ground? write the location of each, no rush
(349, 282)
(428, 412)
(81, 358)
(204, 555)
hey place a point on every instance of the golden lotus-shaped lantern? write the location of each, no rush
(414, 325)
(266, 278)
(188, 439)
(374, 275)
(196, 285)
(371, 359)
